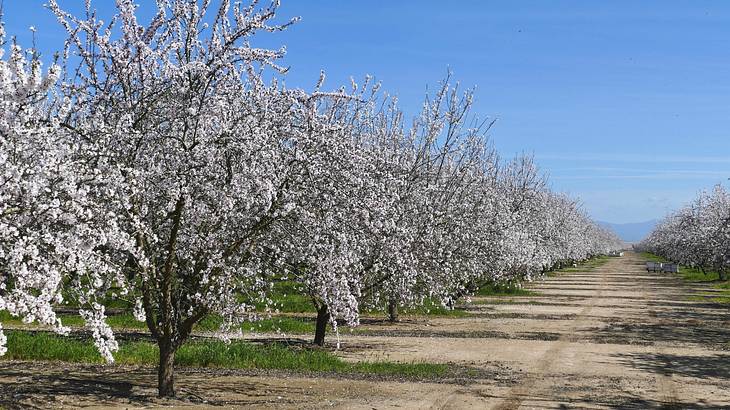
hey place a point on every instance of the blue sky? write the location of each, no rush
(625, 104)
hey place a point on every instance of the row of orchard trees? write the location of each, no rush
(159, 164)
(697, 235)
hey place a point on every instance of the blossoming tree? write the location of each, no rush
(164, 166)
(201, 150)
(696, 235)
(52, 228)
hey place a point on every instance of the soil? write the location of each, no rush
(612, 337)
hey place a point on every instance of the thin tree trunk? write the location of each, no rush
(393, 309)
(167, 305)
(323, 317)
(165, 383)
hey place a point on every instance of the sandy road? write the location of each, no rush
(613, 337)
(535, 381)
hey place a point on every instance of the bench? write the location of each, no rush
(670, 268)
(662, 267)
(653, 267)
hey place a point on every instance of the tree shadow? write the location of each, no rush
(636, 333)
(33, 388)
(638, 403)
(283, 341)
(702, 367)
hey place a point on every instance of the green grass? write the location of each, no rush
(651, 257)
(716, 297)
(695, 275)
(208, 353)
(127, 321)
(723, 285)
(121, 321)
(46, 346)
(689, 274)
(288, 297)
(514, 289)
(274, 324)
(504, 289)
(501, 301)
(721, 297)
(292, 303)
(583, 266)
(432, 308)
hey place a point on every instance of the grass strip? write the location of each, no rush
(696, 275)
(292, 325)
(504, 289)
(583, 266)
(689, 274)
(650, 257)
(238, 354)
(432, 308)
(506, 301)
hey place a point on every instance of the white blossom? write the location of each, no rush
(697, 235)
(166, 166)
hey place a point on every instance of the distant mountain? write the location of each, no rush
(631, 232)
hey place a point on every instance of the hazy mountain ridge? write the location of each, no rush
(633, 231)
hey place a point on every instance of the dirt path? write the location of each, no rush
(613, 337)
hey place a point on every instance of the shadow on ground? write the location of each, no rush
(33, 389)
(703, 367)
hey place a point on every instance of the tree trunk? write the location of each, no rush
(393, 309)
(323, 317)
(165, 386)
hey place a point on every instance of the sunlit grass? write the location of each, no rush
(584, 266)
(502, 301)
(287, 297)
(687, 273)
(650, 257)
(512, 289)
(209, 353)
(504, 289)
(126, 321)
(721, 298)
(695, 275)
(432, 308)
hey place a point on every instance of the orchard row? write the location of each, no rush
(164, 165)
(697, 235)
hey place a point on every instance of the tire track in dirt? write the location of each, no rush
(665, 384)
(534, 382)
